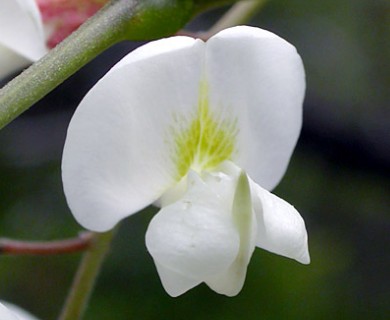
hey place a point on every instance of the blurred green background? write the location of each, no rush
(338, 179)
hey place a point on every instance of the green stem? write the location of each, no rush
(203, 5)
(240, 13)
(86, 276)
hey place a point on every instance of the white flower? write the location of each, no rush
(179, 123)
(22, 39)
(9, 311)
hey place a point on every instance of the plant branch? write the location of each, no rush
(17, 247)
(86, 276)
(239, 13)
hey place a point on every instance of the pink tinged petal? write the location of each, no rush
(21, 29)
(194, 237)
(62, 17)
(231, 281)
(281, 229)
(258, 78)
(118, 154)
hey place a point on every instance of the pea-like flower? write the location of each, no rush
(203, 130)
(22, 39)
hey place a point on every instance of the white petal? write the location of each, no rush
(231, 281)
(10, 61)
(6, 314)
(21, 28)
(281, 229)
(118, 152)
(10, 311)
(194, 236)
(174, 283)
(258, 78)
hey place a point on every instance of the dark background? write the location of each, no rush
(338, 179)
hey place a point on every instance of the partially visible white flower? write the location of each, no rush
(29, 27)
(187, 125)
(22, 39)
(10, 311)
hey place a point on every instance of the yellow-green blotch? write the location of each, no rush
(207, 141)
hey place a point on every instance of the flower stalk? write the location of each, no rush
(18, 247)
(86, 276)
(240, 13)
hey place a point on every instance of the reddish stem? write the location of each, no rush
(17, 247)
